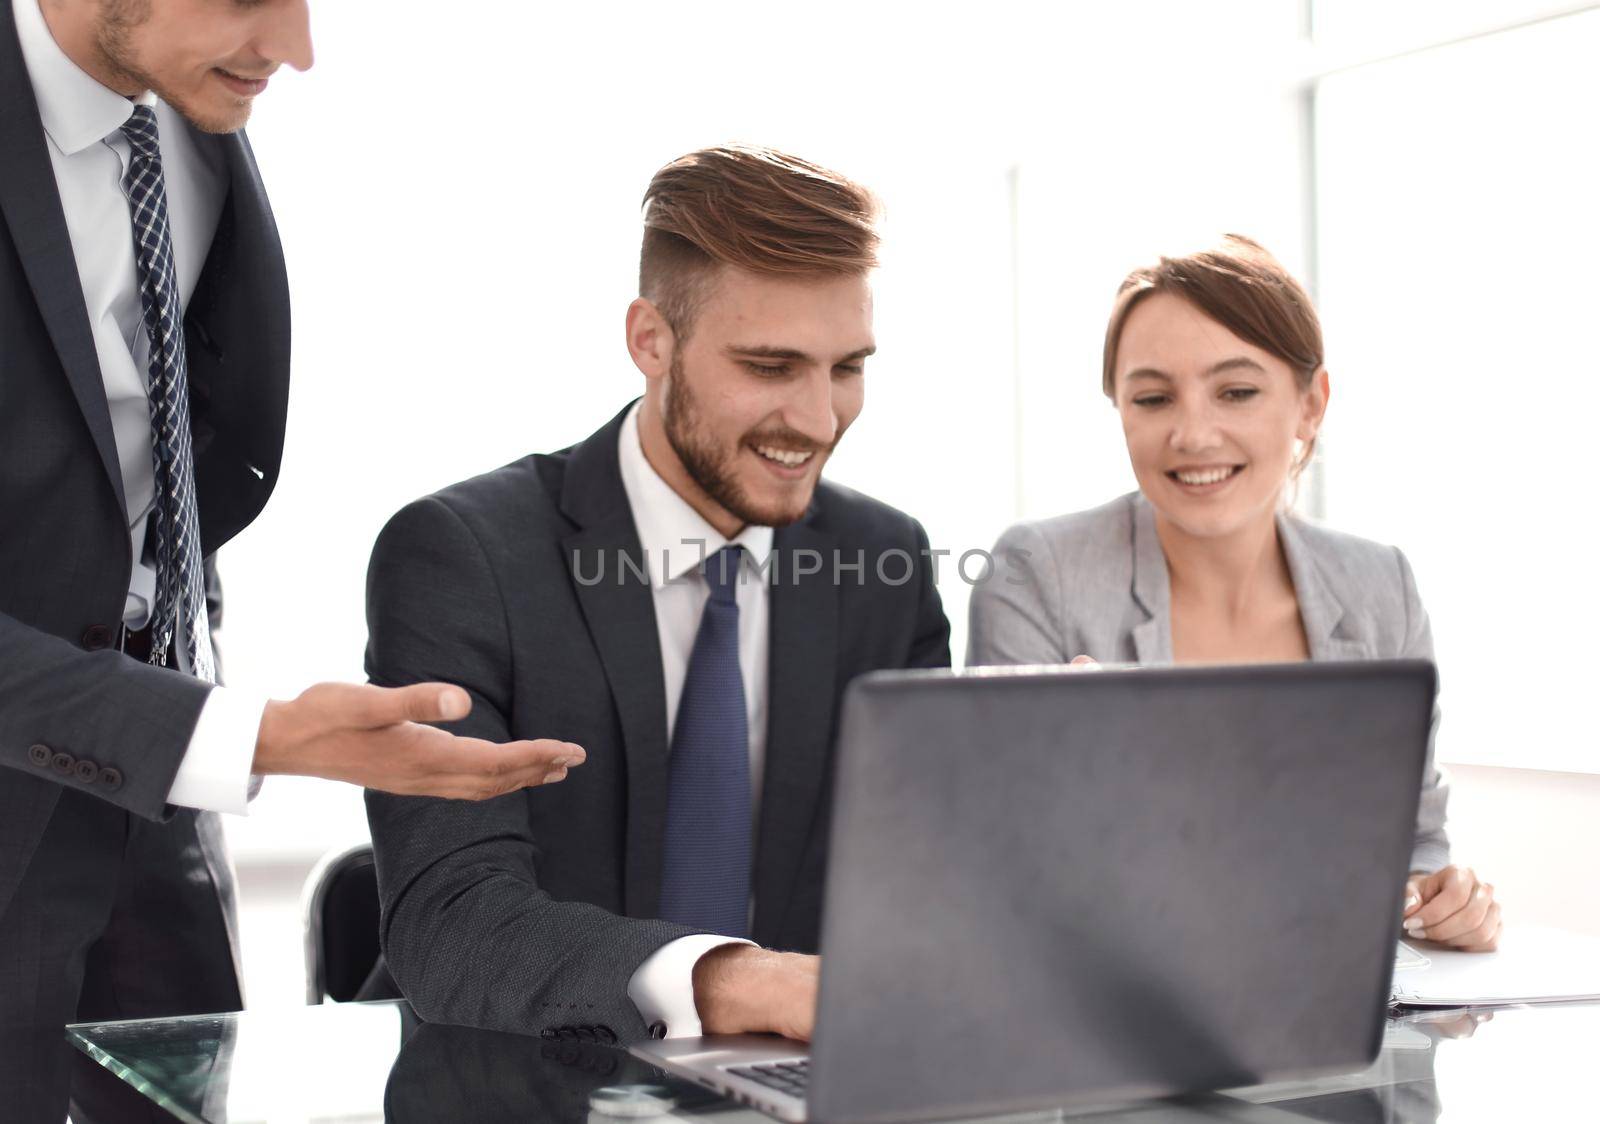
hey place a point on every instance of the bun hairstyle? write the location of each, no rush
(755, 209)
(1241, 286)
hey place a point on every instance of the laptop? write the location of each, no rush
(1052, 889)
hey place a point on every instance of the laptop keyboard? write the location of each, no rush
(785, 1077)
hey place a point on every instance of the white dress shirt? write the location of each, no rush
(83, 124)
(676, 539)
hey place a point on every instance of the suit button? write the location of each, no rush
(87, 771)
(96, 637)
(585, 1034)
(39, 755)
(658, 1030)
(549, 1032)
(63, 763)
(111, 778)
(605, 1034)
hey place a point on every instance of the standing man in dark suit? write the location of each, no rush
(144, 366)
(681, 594)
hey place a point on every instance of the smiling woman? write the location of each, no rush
(1214, 361)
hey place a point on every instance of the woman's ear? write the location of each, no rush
(1313, 406)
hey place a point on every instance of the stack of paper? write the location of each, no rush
(1531, 966)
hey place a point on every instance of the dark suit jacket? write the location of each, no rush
(65, 561)
(530, 912)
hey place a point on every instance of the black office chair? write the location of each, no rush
(340, 903)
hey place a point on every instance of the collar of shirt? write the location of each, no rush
(671, 531)
(76, 110)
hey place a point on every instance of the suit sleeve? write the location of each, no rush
(469, 934)
(930, 647)
(62, 707)
(1009, 618)
(1432, 849)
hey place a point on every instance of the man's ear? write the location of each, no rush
(650, 339)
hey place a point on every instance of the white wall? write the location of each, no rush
(1460, 225)
(1532, 834)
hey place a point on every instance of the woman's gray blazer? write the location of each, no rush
(1095, 583)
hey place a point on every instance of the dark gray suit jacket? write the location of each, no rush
(531, 912)
(65, 561)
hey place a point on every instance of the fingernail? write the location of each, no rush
(451, 705)
(1413, 930)
(1411, 901)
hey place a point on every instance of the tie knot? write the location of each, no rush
(721, 571)
(142, 133)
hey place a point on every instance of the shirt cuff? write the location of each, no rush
(663, 986)
(214, 775)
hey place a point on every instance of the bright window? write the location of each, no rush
(1458, 209)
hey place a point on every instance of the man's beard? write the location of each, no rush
(114, 38)
(710, 468)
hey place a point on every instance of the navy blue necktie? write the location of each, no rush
(705, 874)
(180, 596)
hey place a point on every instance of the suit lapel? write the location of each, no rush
(1152, 589)
(32, 207)
(237, 324)
(1331, 634)
(803, 649)
(620, 612)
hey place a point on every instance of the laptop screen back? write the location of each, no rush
(1050, 887)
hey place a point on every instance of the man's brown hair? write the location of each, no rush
(1241, 286)
(752, 208)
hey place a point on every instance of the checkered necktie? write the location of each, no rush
(705, 868)
(180, 596)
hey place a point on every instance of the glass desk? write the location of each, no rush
(358, 1062)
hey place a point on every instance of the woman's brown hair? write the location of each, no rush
(1241, 286)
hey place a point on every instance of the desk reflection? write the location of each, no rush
(453, 1073)
(360, 1063)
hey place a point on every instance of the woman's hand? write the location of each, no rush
(1451, 907)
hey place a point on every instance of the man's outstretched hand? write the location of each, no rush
(375, 737)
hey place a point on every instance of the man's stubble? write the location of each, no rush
(710, 468)
(114, 42)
